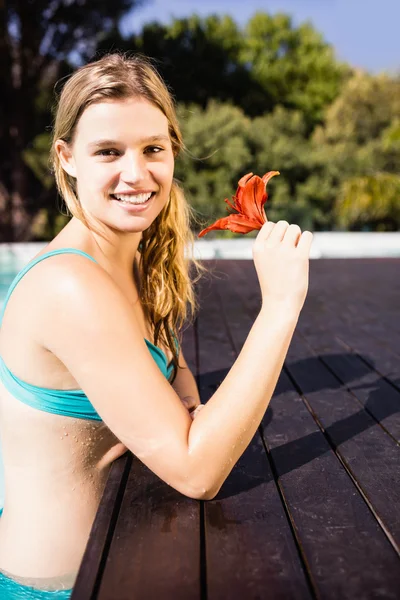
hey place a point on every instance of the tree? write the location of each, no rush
(36, 39)
(370, 200)
(224, 144)
(366, 106)
(266, 63)
(294, 66)
(360, 151)
(198, 58)
(217, 155)
(279, 143)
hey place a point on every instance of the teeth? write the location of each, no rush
(133, 198)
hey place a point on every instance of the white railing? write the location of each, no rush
(327, 244)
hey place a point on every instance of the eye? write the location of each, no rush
(107, 152)
(154, 149)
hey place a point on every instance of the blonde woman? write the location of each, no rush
(91, 364)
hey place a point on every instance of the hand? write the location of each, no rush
(281, 258)
(192, 405)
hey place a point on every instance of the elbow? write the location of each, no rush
(201, 495)
(208, 496)
(204, 492)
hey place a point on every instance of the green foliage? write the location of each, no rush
(320, 174)
(294, 66)
(269, 96)
(391, 136)
(359, 152)
(367, 105)
(36, 157)
(217, 154)
(37, 39)
(370, 199)
(46, 224)
(268, 62)
(228, 144)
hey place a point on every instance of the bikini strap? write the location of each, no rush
(32, 264)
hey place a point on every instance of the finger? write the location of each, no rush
(292, 235)
(265, 230)
(196, 411)
(277, 234)
(304, 244)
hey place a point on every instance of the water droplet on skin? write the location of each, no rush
(61, 438)
(66, 433)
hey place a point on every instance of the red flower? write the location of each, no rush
(249, 203)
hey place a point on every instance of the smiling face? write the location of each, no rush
(123, 163)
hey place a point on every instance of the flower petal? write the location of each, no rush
(237, 199)
(269, 176)
(241, 224)
(249, 203)
(243, 180)
(253, 199)
(219, 224)
(235, 223)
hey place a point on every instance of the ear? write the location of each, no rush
(65, 156)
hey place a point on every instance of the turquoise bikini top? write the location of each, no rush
(71, 403)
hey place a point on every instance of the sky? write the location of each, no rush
(364, 33)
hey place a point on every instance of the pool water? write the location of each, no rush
(7, 274)
(10, 264)
(6, 277)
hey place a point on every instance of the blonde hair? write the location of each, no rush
(167, 282)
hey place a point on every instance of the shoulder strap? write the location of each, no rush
(32, 264)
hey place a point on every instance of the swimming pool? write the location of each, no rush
(9, 267)
(12, 259)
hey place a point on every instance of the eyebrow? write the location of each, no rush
(152, 138)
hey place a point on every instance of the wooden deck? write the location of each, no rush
(312, 509)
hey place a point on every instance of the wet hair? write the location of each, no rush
(168, 268)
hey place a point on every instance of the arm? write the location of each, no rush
(224, 428)
(84, 319)
(186, 387)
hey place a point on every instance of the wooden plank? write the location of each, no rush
(375, 393)
(372, 457)
(92, 565)
(345, 296)
(250, 550)
(370, 284)
(189, 347)
(155, 550)
(337, 532)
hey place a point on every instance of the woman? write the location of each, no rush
(90, 359)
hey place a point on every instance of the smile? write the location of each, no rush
(133, 198)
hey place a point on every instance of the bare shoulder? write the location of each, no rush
(72, 277)
(78, 296)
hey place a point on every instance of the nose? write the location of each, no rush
(133, 167)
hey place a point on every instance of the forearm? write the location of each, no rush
(185, 384)
(224, 428)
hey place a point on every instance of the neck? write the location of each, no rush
(118, 251)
